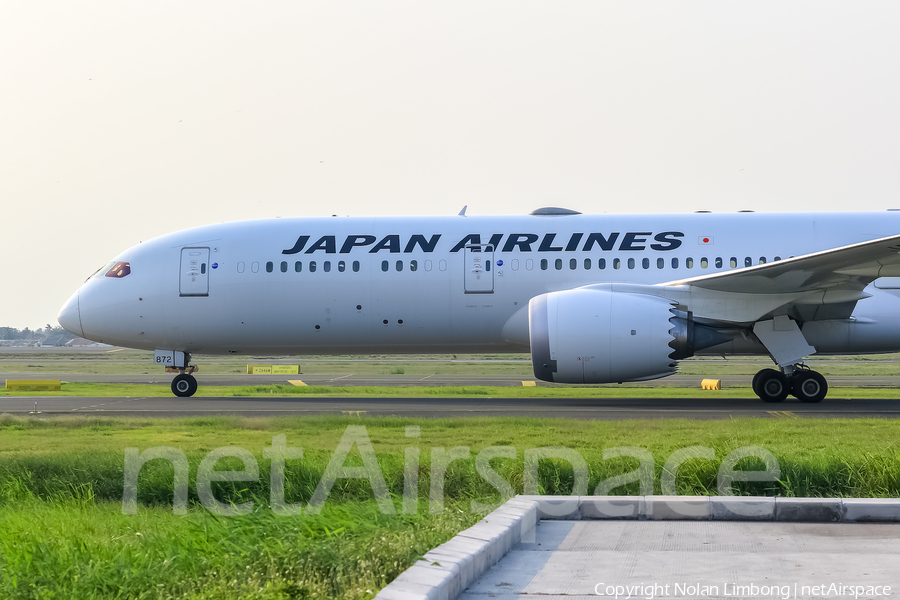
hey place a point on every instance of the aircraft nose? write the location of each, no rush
(70, 316)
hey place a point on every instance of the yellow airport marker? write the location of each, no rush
(529, 383)
(116, 350)
(296, 382)
(711, 384)
(353, 413)
(36, 385)
(783, 414)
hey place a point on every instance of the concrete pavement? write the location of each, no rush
(607, 409)
(367, 379)
(570, 560)
(669, 547)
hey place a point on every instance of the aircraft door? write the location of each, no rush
(194, 272)
(479, 271)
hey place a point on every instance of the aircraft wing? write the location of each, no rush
(847, 267)
(834, 278)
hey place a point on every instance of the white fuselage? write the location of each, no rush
(432, 284)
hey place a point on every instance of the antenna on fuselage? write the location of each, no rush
(462, 213)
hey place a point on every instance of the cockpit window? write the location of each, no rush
(119, 270)
(102, 270)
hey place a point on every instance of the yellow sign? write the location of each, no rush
(711, 384)
(34, 385)
(273, 369)
(529, 384)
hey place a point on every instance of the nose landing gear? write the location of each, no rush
(178, 361)
(803, 383)
(184, 385)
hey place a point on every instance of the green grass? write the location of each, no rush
(64, 534)
(822, 457)
(84, 549)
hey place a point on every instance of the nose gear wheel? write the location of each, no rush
(184, 385)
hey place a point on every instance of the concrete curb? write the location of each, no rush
(718, 508)
(448, 569)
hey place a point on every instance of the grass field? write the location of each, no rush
(124, 361)
(64, 534)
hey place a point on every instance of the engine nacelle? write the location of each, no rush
(601, 336)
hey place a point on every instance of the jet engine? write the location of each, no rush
(592, 335)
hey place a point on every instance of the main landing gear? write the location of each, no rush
(804, 384)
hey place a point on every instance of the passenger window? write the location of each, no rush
(573, 264)
(326, 266)
(384, 265)
(341, 266)
(718, 262)
(776, 259)
(616, 263)
(762, 260)
(645, 263)
(202, 269)
(529, 264)
(298, 267)
(674, 263)
(748, 262)
(413, 265)
(660, 263)
(356, 266)
(558, 264)
(284, 266)
(240, 267)
(254, 266)
(630, 263)
(734, 262)
(270, 267)
(312, 266)
(543, 264)
(399, 265)
(689, 263)
(601, 263)
(587, 264)
(487, 265)
(704, 263)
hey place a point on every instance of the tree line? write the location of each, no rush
(49, 332)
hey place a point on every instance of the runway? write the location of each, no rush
(441, 380)
(607, 409)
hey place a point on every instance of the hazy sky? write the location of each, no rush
(121, 121)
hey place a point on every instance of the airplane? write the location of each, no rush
(604, 298)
